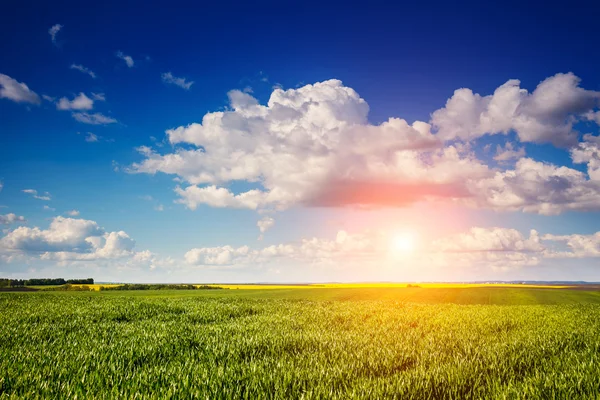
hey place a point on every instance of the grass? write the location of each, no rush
(341, 343)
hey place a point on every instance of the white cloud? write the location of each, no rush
(48, 98)
(68, 239)
(492, 240)
(83, 69)
(46, 196)
(304, 140)
(17, 91)
(91, 138)
(53, 31)
(536, 187)
(128, 60)
(508, 152)
(314, 146)
(48, 208)
(168, 77)
(487, 248)
(80, 102)
(588, 152)
(225, 255)
(546, 115)
(10, 219)
(159, 207)
(98, 96)
(64, 234)
(93, 119)
(580, 246)
(264, 224)
(73, 213)
(192, 196)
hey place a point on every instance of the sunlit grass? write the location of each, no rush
(390, 285)
(337, 343)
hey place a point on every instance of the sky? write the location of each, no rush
(269, 142)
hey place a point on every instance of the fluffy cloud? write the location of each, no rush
(305, 140)
(487, 248)
(17, 91)
(265, 223)
(46, 196)
(588, 152)
(10, 219)
(168, 77)
(580, 246)
(81, 102)
(537, 187)
(53, 31)
(72, 213)
(93, 119)
(492, 240)
(84, 70)
(314, 146)
(64, 234)
(128, 60)
(508, 152)
(68, 239)
(546, 115)
(225, 255)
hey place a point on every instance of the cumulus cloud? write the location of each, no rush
(546, 115)
(508, 153)
(17, 91)
(490, 248)
(128, 60)
(588, 152)
(72, 213)
(225, 255)
(11, 218)
(314, 146)
(490, 240)
(304, 140)
(168, 77)
(80, 102)
(83, 69)
(93, 119)
(53, 31)
(69, 239)
(580, 246)
(537, 187)
(46, 196)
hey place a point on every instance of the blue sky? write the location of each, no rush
(306, 138)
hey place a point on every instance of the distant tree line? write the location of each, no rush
(136, 286)
(44, 282)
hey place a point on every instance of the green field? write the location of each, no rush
(376, 342)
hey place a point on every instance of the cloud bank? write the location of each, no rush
(314, 146)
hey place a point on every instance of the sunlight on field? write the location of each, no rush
(96, 286)
(263, 287)
(390, 285)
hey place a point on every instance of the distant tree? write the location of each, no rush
(88, 281)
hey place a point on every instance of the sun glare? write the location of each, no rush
(403, 243)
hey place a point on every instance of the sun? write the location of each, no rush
(403, 243)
